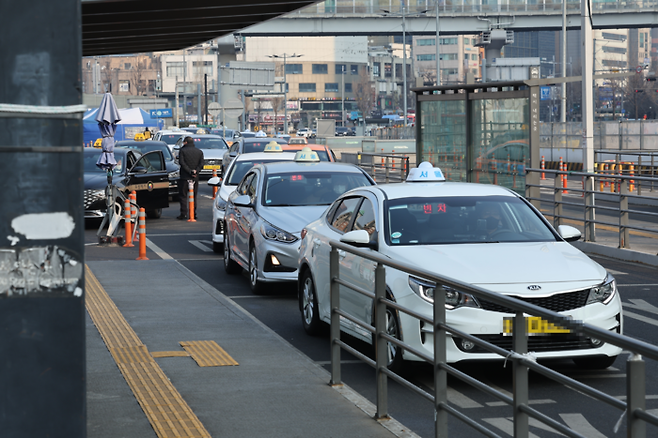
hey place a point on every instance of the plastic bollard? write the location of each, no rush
(214, 189)
(631, 186)
(543, 167)
(142, 238)
(133, 215)
(190, 200)
(127, 225)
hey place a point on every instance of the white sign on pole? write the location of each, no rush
(214, 108)
(251, 75)
(233, 108)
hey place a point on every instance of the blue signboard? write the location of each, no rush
(162, 113)
(545, 93)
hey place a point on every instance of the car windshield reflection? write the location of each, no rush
(309, 188)
(450, 220)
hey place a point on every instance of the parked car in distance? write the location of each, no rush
(173, 169)
(323, 151)
(170, 137)
(297, 140)
(246, 146)
(213, 147)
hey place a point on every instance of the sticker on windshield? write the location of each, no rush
(396, 235)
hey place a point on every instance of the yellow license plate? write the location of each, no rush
(212, 166)
(534, 326)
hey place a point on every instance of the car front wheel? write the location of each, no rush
(393, 352)
(256, 286)
(309, 305)
(594, 362)
(230, 266)
(154, 214)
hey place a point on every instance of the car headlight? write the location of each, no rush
(272, 233)
(604, 293)
(454, 298)
(220, 204)
(175, 174)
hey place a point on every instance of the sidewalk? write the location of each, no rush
(273, 391)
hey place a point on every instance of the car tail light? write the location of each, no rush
(304, 232)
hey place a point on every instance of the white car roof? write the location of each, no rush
(432, 189)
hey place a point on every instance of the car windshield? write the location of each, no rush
(309, 188)
(255, 146)
(463, 219)
(210, 143)
(240, 169)
(90, 166)
(170, 138)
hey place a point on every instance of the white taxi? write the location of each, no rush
(273, 202)
(227, 184)
(480, 234)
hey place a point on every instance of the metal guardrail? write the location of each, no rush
(633, 409)
(621, 189)
(386, 168)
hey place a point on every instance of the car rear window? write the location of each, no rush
(310, 188)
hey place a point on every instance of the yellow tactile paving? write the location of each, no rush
(170, 354)
(164, 407)
(208, 353)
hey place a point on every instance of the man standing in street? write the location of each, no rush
(191, 162)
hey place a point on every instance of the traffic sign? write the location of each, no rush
(162, 113)
(214, 108)
(638, 69)
(233, 108)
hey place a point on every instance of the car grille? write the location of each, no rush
(556, 303)
(213, 162)
(93, 199)
(552, 342)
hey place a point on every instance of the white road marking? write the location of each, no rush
(207, 196)
(459, 399)
(637, 285)
(640, 317)
(578, 423)
(641, 305)
(156, 249)
(201, 245)
(506, 425)
(615, 273)
(647, 397)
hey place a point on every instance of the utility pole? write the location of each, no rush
(285, 88)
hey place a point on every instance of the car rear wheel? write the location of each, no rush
(230, 266)
(217, 247)
(256, 286)
(154, 214)
(309, 305)
(594, 362)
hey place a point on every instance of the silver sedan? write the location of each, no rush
(267, 212)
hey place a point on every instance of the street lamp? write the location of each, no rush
(404, 54)
(285, 88)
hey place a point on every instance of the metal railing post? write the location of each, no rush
(635, 393)
(557, 201)
(440, 357)
(335, 317)
(386, 168)
(590, 209)
(623, 215)
(381, 343)
(520, 385)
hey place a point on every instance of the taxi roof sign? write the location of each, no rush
(273, 147)
(306, 155)
(425, 172)
(139, 137)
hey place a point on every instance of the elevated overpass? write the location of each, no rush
(367, 17)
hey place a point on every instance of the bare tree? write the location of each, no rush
(429, 77)
(364, 93)
(138, 83)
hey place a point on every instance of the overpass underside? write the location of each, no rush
(368, 17)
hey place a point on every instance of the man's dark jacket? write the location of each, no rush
(190, 158)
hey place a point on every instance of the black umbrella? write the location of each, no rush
(107, 118)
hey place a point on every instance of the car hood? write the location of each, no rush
(292, 219)
(96, 181)
(508, 267)
(213, 154)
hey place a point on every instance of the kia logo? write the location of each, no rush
(534, 287)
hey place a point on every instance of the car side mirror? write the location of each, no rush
(243, 201)
(359, 239)
(569, 233)
(215, 181)
(233, 154)
(139, 170)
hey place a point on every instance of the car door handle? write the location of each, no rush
(341, 254)
(317, 242)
